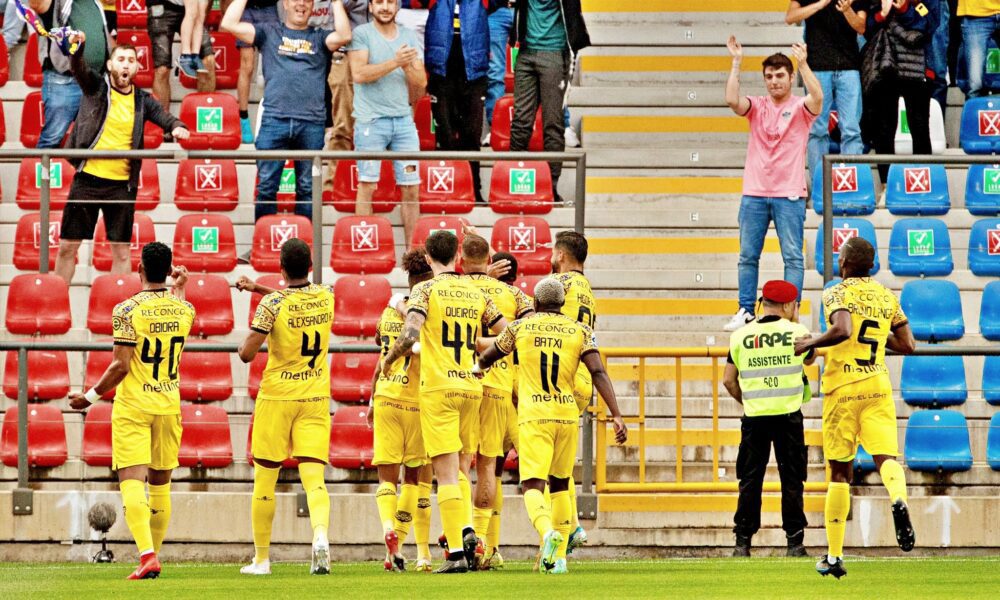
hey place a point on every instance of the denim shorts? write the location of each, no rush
(398, 134)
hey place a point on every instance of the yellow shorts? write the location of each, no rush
(284, 428)
(861, 412)
(493, 420)
(548, 448)
(397, 433)
(139, 438)
(510, 436)
(583, 388)
(449, 421)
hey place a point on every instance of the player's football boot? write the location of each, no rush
(149, 567)
(455, 562)
(576, 539)
(470, 545)
(550, 544)
(320, 557)
(394, 557)
(836, 568)
(257, 568)
(423, 566)
(904, 529)
(559, 568)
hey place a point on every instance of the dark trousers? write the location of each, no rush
(882, 106)
(458, 107)
(758, 433)
(540, 77)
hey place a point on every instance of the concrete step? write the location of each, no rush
(714, 131)
(667, 66)
(581, 97)
(670, 11)
(667, 32)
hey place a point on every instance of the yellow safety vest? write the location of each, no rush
(770, 374)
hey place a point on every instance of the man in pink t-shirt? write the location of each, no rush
(774, 179)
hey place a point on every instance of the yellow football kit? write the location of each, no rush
(858, 404)
(397, 408)
(581, 306)
(292, 412)
(455, 312)
(146, 417)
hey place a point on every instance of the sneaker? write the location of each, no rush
(320, 558)
(149, 567)
(492, 561)
(486, 140)
(393, 557)
(246, 131)
(550, 544)
(559, 568)
(904, 529)
(471, 546)
(834, 567)
(257, 568)
(199, 65)
(741, 318)
(577, 539)
(188, 64)
(571, 139)
(423, 565)
(455, 563)
(742, 549)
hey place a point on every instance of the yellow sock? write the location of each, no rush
(137, 513)
(385, 498)
(575, 519)
(422, 521)
(453, 513)
(466, 488)
(262, 510)
(493, 531)
(838, 504)
(159, 513)
(317, 497)
(894, 480)
(538, 511)
(481, 520)
(405, 507)
(562, 519)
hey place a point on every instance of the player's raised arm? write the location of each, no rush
(592, 359)
(180, 277)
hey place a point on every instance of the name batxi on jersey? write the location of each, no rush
(403, 382)
(297, 323)
(512, 304)
(580, 303)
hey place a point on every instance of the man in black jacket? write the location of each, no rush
(112, 114)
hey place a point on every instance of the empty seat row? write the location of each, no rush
(937, 441)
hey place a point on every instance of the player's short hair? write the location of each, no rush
(415, 264)
(296, 258)
(122, 48)
(778, 61)
(859, 254)
(442, 246)
(511, 275)
(475, 249)
(156, 261)
(574, 243)
(550, 292)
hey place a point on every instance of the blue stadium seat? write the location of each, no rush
(853, 190)
(993, 443)
(984, 248)
(933, 381)
(989, 312)
(822, 309)
(843, 230)
(980, 130)
(920, 247)
(934, 308)
(863, 461)
(937, 440)
(917, 190)
(982, 190)
(991, 380)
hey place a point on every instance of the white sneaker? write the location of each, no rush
(572, 141)
(485, 141)
(320, 557)
(256, 568)
(741, 318)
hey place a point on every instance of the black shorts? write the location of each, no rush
(164, 22)
(92, 195)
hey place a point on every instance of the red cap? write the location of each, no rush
(780, 291)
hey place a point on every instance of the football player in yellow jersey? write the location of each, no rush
(292, 413)
(865, 318)
(550, 347)
(447, 315)
(149, 332)
(568, 255)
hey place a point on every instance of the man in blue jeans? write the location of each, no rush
(296, 58)
(980, 22)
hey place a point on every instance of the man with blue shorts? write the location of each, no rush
(388, 76)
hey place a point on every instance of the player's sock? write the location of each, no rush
(262, 510)
(538, 511)
(453, 515)
(466, 488)
(493, 531)
(894, 480)
(562, 519)
(481, 520)
(159, 513)
(405, 509)
(317, 498)
(838, 504)
(385, 498)
(422, 521)
(574, 519)
(137, 513)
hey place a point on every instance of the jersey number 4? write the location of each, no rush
(313, 350)
(455, 341)
(173, 356)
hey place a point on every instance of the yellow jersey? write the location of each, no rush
(512, 304)
(580, 303)
(456, 313)
(874, 311)
(549, 348)
(115, 135)
(156, 323)
(404, 382)
(297, 322)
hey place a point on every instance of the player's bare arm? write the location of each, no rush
(180, 277)
(607, 391)
(251, 345)
(489, 355)
(484, 343)
(404, 343)
(839, 331)
(231, 22)
(901, 340)
(245, 284)
(731, 379)
(113, 375)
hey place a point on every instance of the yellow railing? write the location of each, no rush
(678, 436)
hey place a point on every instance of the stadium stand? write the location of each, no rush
(270, 232)
(29, 178)
(503, 115)
(351, 375)
(351, 441)
(97, 363)
(934, 309)
(106, 292)
(529, 239)
(48, 375)
(863, 461)
(363, 245)
(96, 445)
(210, 185)
(143, 232)
(46, 437)
(428, 224)
(844, 229)
(937, 441)
(933, 381)
(27, 240)
(38, 304)
(205, 242)
(213, 305)
(993, 443)
(206, 376)
(358, 303)
(920, 247)
(917, 190)
(214, 118)
(853, 190)
(205, 442)
(345, 188)
(446, 187)
(521, 188)
(980, 130)
(982, 195)
(989, 312)
(148, 197)
(984, 248)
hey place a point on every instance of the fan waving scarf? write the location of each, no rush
(60, 35)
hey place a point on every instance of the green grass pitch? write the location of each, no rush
(905, 578)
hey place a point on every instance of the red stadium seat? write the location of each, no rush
(32, 66)
(288, 463)
(363, 245)
(206, 376)
(4, 63)
(96, 447)
(345, 188)
(446, 187)
(38, 304)
(352, 442)
(48, 375)
(521, 188)
(529, 239)
(97, 364)
(272, 280)
(428, 225)
(205, 442)
(351, 375)
(152, 135)
(205, 242)
(131, 13)
(227, 63)
(206, 184)
(503, 115)
(142, 233)
(213, 119)
(212, 302)
(253, 379)
(423, 117)
(46, 437)
(148, 197)
(139, 38)
(213, 16)
(270, 233)
(28, 240)
(106, 292)
(358, 303)
(527, 283)
(29, 183)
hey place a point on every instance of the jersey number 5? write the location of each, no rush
(173, 356)
(864, 339)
